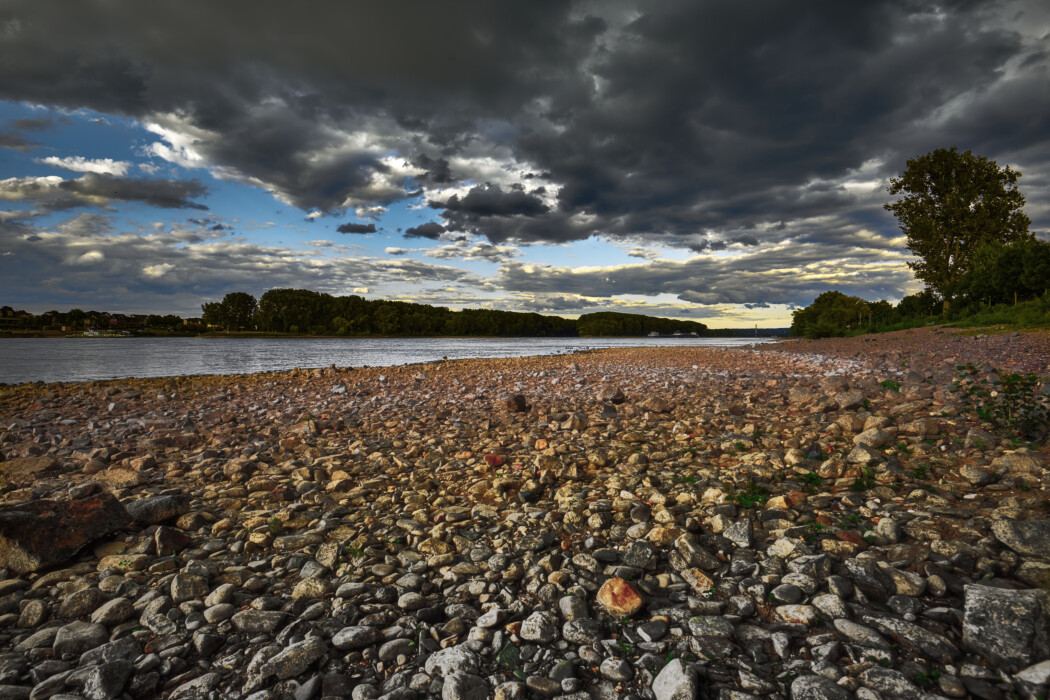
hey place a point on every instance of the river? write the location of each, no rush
(89, 359)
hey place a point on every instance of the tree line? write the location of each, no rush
(963, 219)
(301, 311)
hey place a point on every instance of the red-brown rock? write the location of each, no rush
(40, 533)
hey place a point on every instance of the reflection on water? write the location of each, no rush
(86, 359)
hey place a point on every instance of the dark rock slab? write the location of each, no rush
(41, 533)
(157, 509)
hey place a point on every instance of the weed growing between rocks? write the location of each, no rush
(752, 496)
(1010, 401)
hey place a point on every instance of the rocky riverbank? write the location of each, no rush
(807, 520)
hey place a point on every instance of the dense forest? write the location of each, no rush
(610, 323)
(314, 313)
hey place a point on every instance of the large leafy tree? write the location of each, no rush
(239, 309)
(953, 204)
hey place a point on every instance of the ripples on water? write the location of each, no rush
(87, 359)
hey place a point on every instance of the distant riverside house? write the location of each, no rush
(127, 321)
(10, 319)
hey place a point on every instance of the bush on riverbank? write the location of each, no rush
(835, 314)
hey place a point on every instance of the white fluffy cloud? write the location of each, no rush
(79, 164)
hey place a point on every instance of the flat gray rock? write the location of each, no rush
(676, 681)
(1030, 538)
(818, 688)
(1004, 626)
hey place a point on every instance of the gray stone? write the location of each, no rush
(818, 688)
(39, 639)
(975, 475)
(1004, 626)
(615, 669)
(891, 683)
(1037, 674)
(125, 648)
(259, 621)
(741, 533)
(113, 612)
(676, 681)
(78, 637)
(390, 651)
(1028, 537)
(816, 566)
(830, 606)
(583, 631)
(81, 603)
(873, 438)
(157, 509)
(860, 634)
(711, 626)
(464, 686)
(197, 688)
(932, 645)
(357, 637)
(539, 627)
(638, 555)
(456, 659)
(864, 454)
(573, 607)
(220, 612)
(493, 618)
(188, 587)
(105, 681)
(298, 657)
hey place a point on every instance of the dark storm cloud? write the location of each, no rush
(679, 122)
(34, 123)
(17, 143)
(168, 194)
(437, 170)
(776, 275)
(54, 193)
(431, 230)
(357, 228)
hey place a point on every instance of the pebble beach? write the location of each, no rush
(804, 520)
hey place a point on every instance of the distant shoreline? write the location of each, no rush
(762, 333)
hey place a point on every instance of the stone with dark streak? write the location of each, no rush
(41, 533)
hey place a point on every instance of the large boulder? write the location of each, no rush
(41, 533)
(1005, 626)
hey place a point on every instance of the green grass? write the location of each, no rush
(863, 482)
(752, 496)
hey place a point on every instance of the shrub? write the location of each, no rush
(1012, 403)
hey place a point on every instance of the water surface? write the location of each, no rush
(88, 359)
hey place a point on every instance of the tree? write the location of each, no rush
(953, 204)
(212, 314)
(239, 309)
(831, 314)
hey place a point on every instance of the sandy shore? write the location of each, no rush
(807, 519)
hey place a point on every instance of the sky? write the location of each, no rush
(719, 161)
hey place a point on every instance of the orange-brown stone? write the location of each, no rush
(619, 598)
